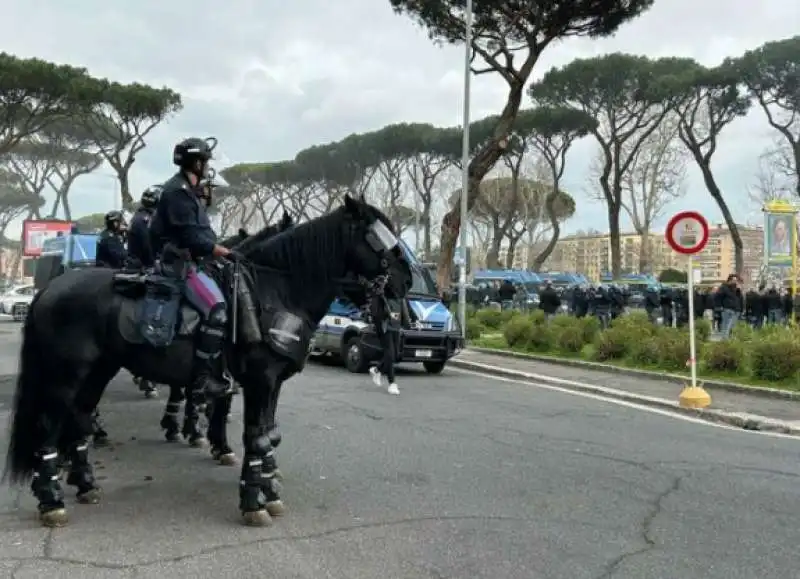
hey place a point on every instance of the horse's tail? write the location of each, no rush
(28, 398)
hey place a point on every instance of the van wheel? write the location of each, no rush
(433, 367)
(354, 359)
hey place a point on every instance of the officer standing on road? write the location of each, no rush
(387, 330)
(140, 249)
(111, 243)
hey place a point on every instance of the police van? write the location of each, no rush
(71, 251)
(434, 338)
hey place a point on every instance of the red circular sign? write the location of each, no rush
(687, 232)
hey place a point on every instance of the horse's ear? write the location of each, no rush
(243, 233)
(286, 220)
(353, 206)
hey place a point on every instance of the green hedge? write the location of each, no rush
(770, 356)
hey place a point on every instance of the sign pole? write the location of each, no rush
(687, 233)
(692, 340)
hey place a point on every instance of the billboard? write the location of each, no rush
(34, 233)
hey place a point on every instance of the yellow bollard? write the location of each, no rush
(694, 397)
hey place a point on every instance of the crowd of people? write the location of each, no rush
(724, 304)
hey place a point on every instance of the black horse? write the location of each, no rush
(191, 428)
(216, 411)
(78, 335)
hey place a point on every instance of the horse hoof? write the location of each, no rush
(257, 519)
(172, 436)
(100, 441)
(228, 459)
(276, 508)
(199, 442)
(54, 518)
(151, 394)
(90, 497)
(278, 474)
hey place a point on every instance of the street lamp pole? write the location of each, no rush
(462, 277)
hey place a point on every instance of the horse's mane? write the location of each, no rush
(311, 251)
(248, 241)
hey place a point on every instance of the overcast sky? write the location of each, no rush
(270, 78)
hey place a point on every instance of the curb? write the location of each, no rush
(762, 391)
(741, 420)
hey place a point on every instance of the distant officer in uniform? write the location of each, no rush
(140, 249)
(111, 250)
(181, 220)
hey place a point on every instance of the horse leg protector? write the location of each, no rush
(256, 488)
(46, 486)
(169, 421)
(81, 474)
(191, 420)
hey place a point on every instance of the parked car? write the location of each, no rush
(15, 301)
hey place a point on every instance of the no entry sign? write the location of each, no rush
(687, 232)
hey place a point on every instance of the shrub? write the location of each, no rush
(775, 358)
(611, 344)
(490, 319)
(537, 317)
(636, 321)
(724, 356)
(673, 345)
(540, 339)
(474, 329)
(518, 331)
(569, 339)
(508, 315)
(590, 326)
(702, 329)
(646, 352)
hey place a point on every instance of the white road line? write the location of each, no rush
(625, 403)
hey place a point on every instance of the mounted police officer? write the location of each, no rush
(182, 222)
(111, 243)
(140, 249)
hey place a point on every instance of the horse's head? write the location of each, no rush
(373, 248)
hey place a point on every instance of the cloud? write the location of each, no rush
(271, 78)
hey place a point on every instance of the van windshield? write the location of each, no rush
(421, 281)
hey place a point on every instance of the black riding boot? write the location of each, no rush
(211, 340)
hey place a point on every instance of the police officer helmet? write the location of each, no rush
(189, 151)
(151, 196)
(113, 220)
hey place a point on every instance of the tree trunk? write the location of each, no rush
(645, 261)
(426, 229)
(493, 255)
(614, 239)
(512, 246)
(713, 189)
(125, 188)
(479, 166)
(550, 207)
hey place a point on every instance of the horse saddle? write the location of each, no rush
(152, 311)
(286, 334)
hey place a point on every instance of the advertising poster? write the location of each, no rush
(780, 238)
(34, 233)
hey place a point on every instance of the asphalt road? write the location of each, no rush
(461, 476)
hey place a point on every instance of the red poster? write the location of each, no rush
(34, 232)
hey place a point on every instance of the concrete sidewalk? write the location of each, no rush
(750, 410)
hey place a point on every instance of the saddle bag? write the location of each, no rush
(160, 310)
(286, 334)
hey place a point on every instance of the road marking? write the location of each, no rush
(624, 403)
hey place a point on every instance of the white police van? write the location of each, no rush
(434, 338)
